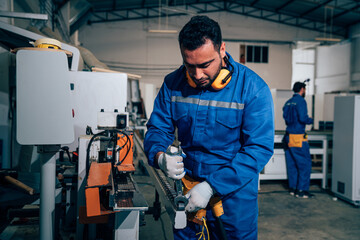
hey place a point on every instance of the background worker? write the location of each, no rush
(297, 152)
(224, 115)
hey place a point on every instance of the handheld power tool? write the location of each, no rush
(180, 200)
(215, 204)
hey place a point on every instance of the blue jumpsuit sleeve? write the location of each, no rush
(303, 113)
(160, 133)
(257, 137)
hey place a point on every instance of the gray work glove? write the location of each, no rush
(172, 165)
(199, 196)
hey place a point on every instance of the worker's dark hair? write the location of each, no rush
(195, 33)
(298, 86)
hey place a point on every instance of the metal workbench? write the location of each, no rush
(319, 145)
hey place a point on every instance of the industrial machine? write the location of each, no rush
(346, 151)
(106, 158)
(56, 106)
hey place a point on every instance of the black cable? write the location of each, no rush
(113, 138)
(114, 150)
(100, 134)
(12, 118)
(127, 139)
(128, 150)
(88, 150)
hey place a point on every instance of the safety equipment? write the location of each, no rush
(296, 140)
(227, 135)
(47, 43)
(199, 196)
(172, 165)
(221, 80)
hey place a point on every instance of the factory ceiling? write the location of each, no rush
(333, 17)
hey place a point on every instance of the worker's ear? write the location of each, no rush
(222, 50)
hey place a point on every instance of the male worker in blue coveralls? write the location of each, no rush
(224, 115)
(297, 153)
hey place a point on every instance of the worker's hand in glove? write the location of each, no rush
(198, 196)
(172, 166)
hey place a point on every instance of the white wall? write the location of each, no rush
(303, 66)
(129, 43)
(332, 67)
(148, 92)
(277, 72)
(279, 98)
(355, 59)
(335, 67)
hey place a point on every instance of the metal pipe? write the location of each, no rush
(47, 195)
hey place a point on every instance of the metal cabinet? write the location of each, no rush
(346, 157)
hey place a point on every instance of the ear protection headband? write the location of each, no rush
(221, 80)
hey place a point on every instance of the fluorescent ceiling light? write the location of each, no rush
(179, 10)
(162, 31)
(328, 39)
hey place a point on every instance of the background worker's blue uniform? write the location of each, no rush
(298, 159)
(228, 137)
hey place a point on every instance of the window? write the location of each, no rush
(257, 54)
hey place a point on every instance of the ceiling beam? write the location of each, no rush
(284, 5)
(315, 8)
(254, 2)
(234, 6)
(345, 12)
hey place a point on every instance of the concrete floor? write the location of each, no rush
(281, 216)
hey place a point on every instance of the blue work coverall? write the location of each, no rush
(298, 159)
(228, 137)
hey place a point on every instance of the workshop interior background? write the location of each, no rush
(61, 107)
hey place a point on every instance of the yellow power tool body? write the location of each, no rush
(215, 203)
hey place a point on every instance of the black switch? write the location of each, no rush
(121, 121)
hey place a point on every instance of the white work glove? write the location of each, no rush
(199, 197)
(172, 166)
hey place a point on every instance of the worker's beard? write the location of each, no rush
(303, 94)
(212, 79)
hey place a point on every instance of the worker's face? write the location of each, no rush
(204, 63)
(303, 92)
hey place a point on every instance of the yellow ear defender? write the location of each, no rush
(221, 80)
